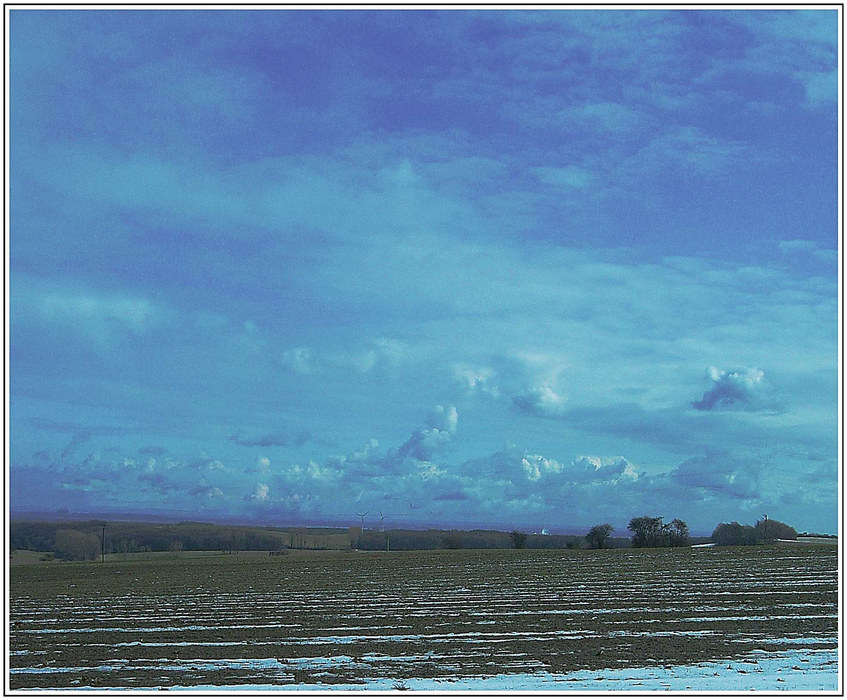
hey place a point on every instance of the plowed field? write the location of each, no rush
(354, 616)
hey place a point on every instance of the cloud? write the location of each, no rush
(476, 379)
(582, 470)
(431, 438)
(77, 440)
(154, 450)
(570, 176)
(687, 149)
(380, 354)
(274, 439)
(102, 318)
(263, 464)
(799, 248)
(535, 466)
(798, 245)
(612, 469)
(821, 88)
(206, 491)
(206, 464)
(739, 389)
(505, 207)
(260, 492)
(542, 401)
(719, 474)
(299, 360)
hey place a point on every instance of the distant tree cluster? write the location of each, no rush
(653, 532)
(733, 533)
(598, 535)
(765, 530)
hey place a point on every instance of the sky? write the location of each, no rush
(529, 270)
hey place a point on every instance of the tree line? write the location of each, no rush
(83, 540)
(649, 531)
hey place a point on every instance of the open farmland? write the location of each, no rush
(352, 617)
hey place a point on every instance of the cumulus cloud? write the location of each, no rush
(262, 464)
(260, 492)
(437, 433)
(607, 468)
(738, 389)
(381, 353)
(312, 472)
(542, 400)
(205, 464)
(535, 466)
(610, 470)
(514, 466)
(206, 491)
(476, 379)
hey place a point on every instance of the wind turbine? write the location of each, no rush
(362, 516)
(381, 518)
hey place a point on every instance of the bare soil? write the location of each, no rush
(346, 617)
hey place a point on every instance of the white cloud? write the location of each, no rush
(434, 436)
(476, 379)
(739, 389)
(537, 466)
(444, 419)
(543, 400)
(612, 469)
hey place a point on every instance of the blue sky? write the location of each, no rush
(504, 269)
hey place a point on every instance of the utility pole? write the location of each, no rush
(103, 546)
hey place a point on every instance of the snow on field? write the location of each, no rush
(804, 670)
